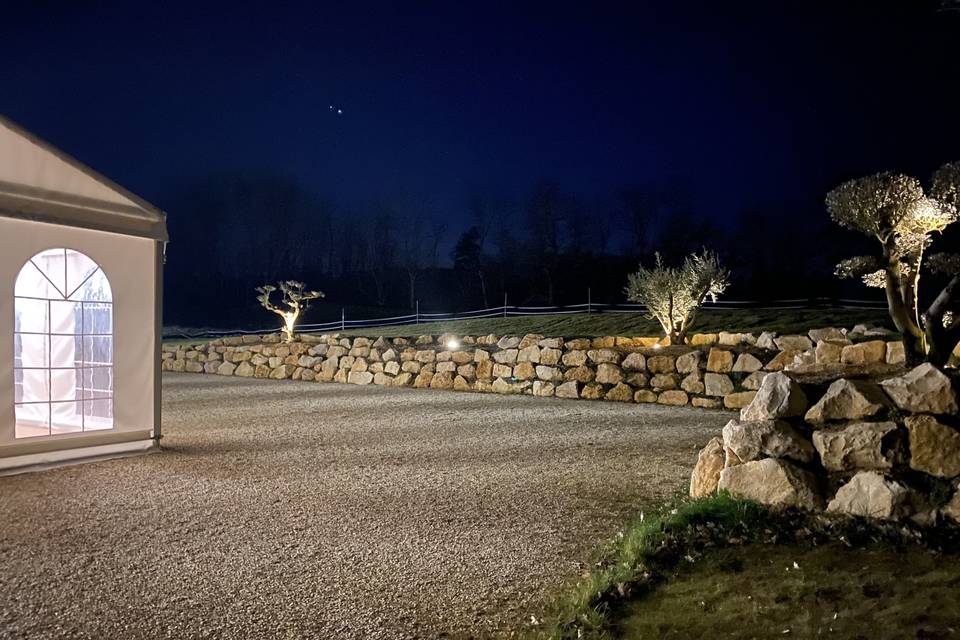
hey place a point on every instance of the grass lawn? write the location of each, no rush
(722, 567)
(636, 324)
(761, 591)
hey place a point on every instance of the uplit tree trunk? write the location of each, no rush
(900, 298)
(940, 339)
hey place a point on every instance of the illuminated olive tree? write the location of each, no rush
(674, 295)
(294, 301)
(893, 209)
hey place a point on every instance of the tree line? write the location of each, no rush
(232, 233)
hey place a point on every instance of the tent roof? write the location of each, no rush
(40, 182)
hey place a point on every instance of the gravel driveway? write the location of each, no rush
(301, 510)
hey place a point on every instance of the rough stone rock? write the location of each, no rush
(871, 495)
(467, 371)
(360, 377)
(609, 373)
(644, 396)
(781, 360)
(706, 473)
(934, 447)
(637, 379)
(675, 398)
(693, 383)
(196, 367)
(717, 384)
(531, 339)
(244, 370)
(661, 364)
(864, 353)
(283, 372)
(620, 393)
(773, 482)
(502, 371)
(766, 341)
(827, 333)
(720, 361)
(508, 356)
(592, 391)
(551, 343)
(411, 366)
(382, 379)
(577, 344)
(828, 351)
(699, 339)
(730, 339)
(423, 379)
(747, 441)
(848, 400)
(529, 354)
(706, 403)
(580, 374)
(524, 371)
(485, 370)
(793, 343)
(425, 356)
(360, 352)
(550, 356)
(508, 342)
(446, 367)
(226, 369)
(663, 381)
(856, 446)
(739, 399)
(575, 358)
(634, 362)
(603, 356)
(924, 389)
(308, 375)
(569, 389)
(392, 368)
(460, 357)
(602, 342)
(778, 397)
(481, 355)
(896, 353)
(801, 360)
(543, 389)
(753, 381)
(747, 363)
(689, 362)
(442, 380)
(341, 376)
(952, 508)
(549, 374)
(403, 379)
(359, 364)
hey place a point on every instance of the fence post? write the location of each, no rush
(504, 304)
(418, 311)
(343, 318)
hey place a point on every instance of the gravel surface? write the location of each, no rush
(302, 510)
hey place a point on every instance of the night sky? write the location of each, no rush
(745, 105)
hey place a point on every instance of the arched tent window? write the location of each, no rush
(63, 345)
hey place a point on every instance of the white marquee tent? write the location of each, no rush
(81, 264)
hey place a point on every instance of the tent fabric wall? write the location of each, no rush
(128, 263)
(48, 200)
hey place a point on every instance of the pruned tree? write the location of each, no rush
(294, 301)
(673, 295)
(893, 209)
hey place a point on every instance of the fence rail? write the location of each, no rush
(514, 311)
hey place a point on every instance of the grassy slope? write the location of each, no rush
(758, 592)
(724, 567)
(635, 324)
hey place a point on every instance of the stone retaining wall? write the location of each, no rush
(714, 371)
(887, 449)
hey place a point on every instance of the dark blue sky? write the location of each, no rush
(744, 104)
